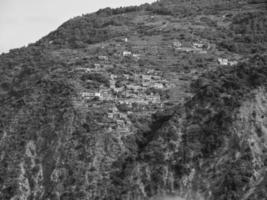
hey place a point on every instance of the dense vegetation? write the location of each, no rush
(206, 132)
(56, 145)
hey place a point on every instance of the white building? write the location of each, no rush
(113, 76)
(153, 99)
(146, 77)
(198, 45)
(110, 115)
(223, 61)
(98, 94)
(177, 44)
(127, 53)
(158, 85)
(231, 63)
(88, 94)
(136, 56)
(120, 122)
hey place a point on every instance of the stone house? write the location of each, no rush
(133, 87)
(89, 95)
(120, 122)
(97, 67)
(153, 99)
(177, 44)
(146, 77)
(113, 76)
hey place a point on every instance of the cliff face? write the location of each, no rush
(251, 127)
(162, 101)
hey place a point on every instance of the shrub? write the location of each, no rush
(96, 77)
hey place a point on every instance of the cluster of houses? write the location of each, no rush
(130, 54)
(103, 58)
(129, 92)
(95, 68)
(113, 120)
(121, 120)
(201, 47)
(225, 62)
(135, 92)
(101, 95)
(91, 95)
(132, 90)
(135, 87)
(197, 47)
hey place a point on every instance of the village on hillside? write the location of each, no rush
(126, 94)
(125, 90)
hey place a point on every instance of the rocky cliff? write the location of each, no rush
(161, 101)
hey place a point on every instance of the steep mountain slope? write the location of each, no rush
(161, 101)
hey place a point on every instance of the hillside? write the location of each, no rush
(151, 102)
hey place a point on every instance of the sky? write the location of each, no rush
(25, 21)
